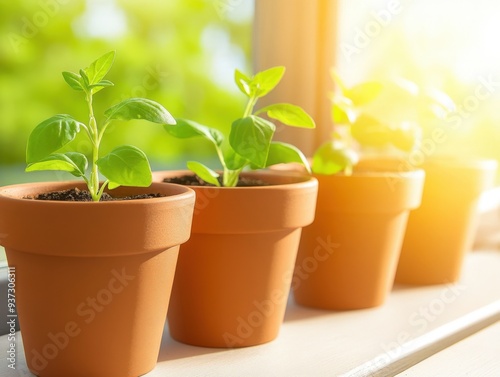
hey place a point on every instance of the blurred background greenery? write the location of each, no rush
(446, 45)
(180, 53)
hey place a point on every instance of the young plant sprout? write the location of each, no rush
(250, 137)
(356, 127)
(126, 165)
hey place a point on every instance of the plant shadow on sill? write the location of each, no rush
(171, 349)
(296, 312)
(402, 289)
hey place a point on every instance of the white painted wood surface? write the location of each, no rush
(324, 343)
(475, 356)
(488, 234)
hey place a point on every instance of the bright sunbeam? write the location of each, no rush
(102, 19)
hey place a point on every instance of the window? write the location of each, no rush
(446, 45)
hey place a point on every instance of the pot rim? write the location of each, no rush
(371, 192)
(288, 204)
(295, 179)
(94, 229)
(10, 192)
(462, 163)
(374, 174)
(402, 164)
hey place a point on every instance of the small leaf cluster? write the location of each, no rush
(250, 138)
(358, 128)
(125, 165)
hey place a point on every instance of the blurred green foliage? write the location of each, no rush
(445, 45)
(181, 53)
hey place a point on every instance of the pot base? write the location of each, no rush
(110, 304)
(348, 256)
(239, 286)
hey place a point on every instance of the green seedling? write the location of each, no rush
(125, 165)
(250, 137)
(357, 128)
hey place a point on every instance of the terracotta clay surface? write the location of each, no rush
(347, 258)
(441, 231)
(233, 275)
(93, 280)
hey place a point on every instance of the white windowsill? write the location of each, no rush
(436, 324)
(323, 343)
(476, 355)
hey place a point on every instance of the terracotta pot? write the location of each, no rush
(347, 258)
(93, 280)
(441, 231)
(233, 275)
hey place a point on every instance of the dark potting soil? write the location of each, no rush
(194, 180)
(77, 195)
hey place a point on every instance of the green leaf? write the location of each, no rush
(364, 93)
(406, 137)
(282, 153)
(290, 115)
(370, 132)
(184, 129)
(204, 172)
(79, 161)
(140, 108)
(251, 137)
(342, 111)
(243, 82)
(84, 79)
(51, 135)
(333, 157)
(73, 80)
(72, 162)
(126, 166)
(263, 82)
(100, 85)
(234, 161)
(99, 68)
